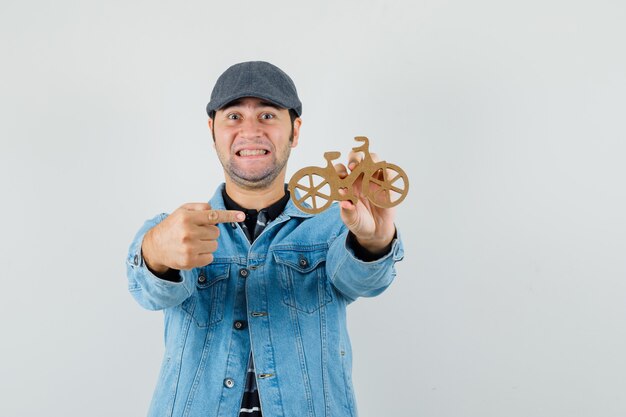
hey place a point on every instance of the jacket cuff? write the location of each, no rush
(354, 277)
(151, 291)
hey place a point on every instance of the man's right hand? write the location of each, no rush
(187, 238)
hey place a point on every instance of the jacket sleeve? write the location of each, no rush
(150, 291)
(356, 278)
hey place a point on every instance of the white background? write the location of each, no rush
(507, 116)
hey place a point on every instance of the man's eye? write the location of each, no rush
(267, 116)
(232, 116)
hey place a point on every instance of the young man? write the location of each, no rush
(254, 290)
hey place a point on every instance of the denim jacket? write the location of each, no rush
(283, 297)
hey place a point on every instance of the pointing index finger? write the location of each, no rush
(224, 216)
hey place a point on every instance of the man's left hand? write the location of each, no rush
(372, 226)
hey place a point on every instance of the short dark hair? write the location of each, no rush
(293, 115)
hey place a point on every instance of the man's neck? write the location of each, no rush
(255, 199)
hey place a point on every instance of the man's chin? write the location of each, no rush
(256, 182)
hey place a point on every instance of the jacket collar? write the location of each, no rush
(217, 203)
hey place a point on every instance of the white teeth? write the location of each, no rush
(252, 152)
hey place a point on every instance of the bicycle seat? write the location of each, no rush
(364, 147)
(330, 156)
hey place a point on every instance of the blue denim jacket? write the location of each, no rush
(284, 297)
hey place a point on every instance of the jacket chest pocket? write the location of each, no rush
(303, 279)
(206, 306)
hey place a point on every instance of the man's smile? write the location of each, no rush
(252, 152)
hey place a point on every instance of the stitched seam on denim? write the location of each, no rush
(346, 381)
(201, 366)
(293, 313)
(324, 352)
(179, 361)
(289, 285)
(290, 247)
(280, 399)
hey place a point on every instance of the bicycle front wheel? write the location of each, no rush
(387, 186)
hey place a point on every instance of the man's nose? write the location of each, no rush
(250, 127)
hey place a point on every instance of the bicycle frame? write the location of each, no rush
(375, 188)
(365, 166)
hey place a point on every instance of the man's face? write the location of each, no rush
(253, 139)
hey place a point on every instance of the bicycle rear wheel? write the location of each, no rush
(314, 193)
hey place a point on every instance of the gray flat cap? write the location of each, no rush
(255, 79)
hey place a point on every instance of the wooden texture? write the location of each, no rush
(383, 184)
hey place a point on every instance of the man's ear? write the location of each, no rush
(296, 131)
(211, 130)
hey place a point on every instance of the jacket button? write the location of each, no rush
(303, 262)
(244, 272)
(136, 260)
(239, 325)
(201, 279)
(229, 383)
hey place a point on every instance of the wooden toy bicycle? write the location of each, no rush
(384, 184)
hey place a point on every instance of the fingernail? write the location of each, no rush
(241, 216)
